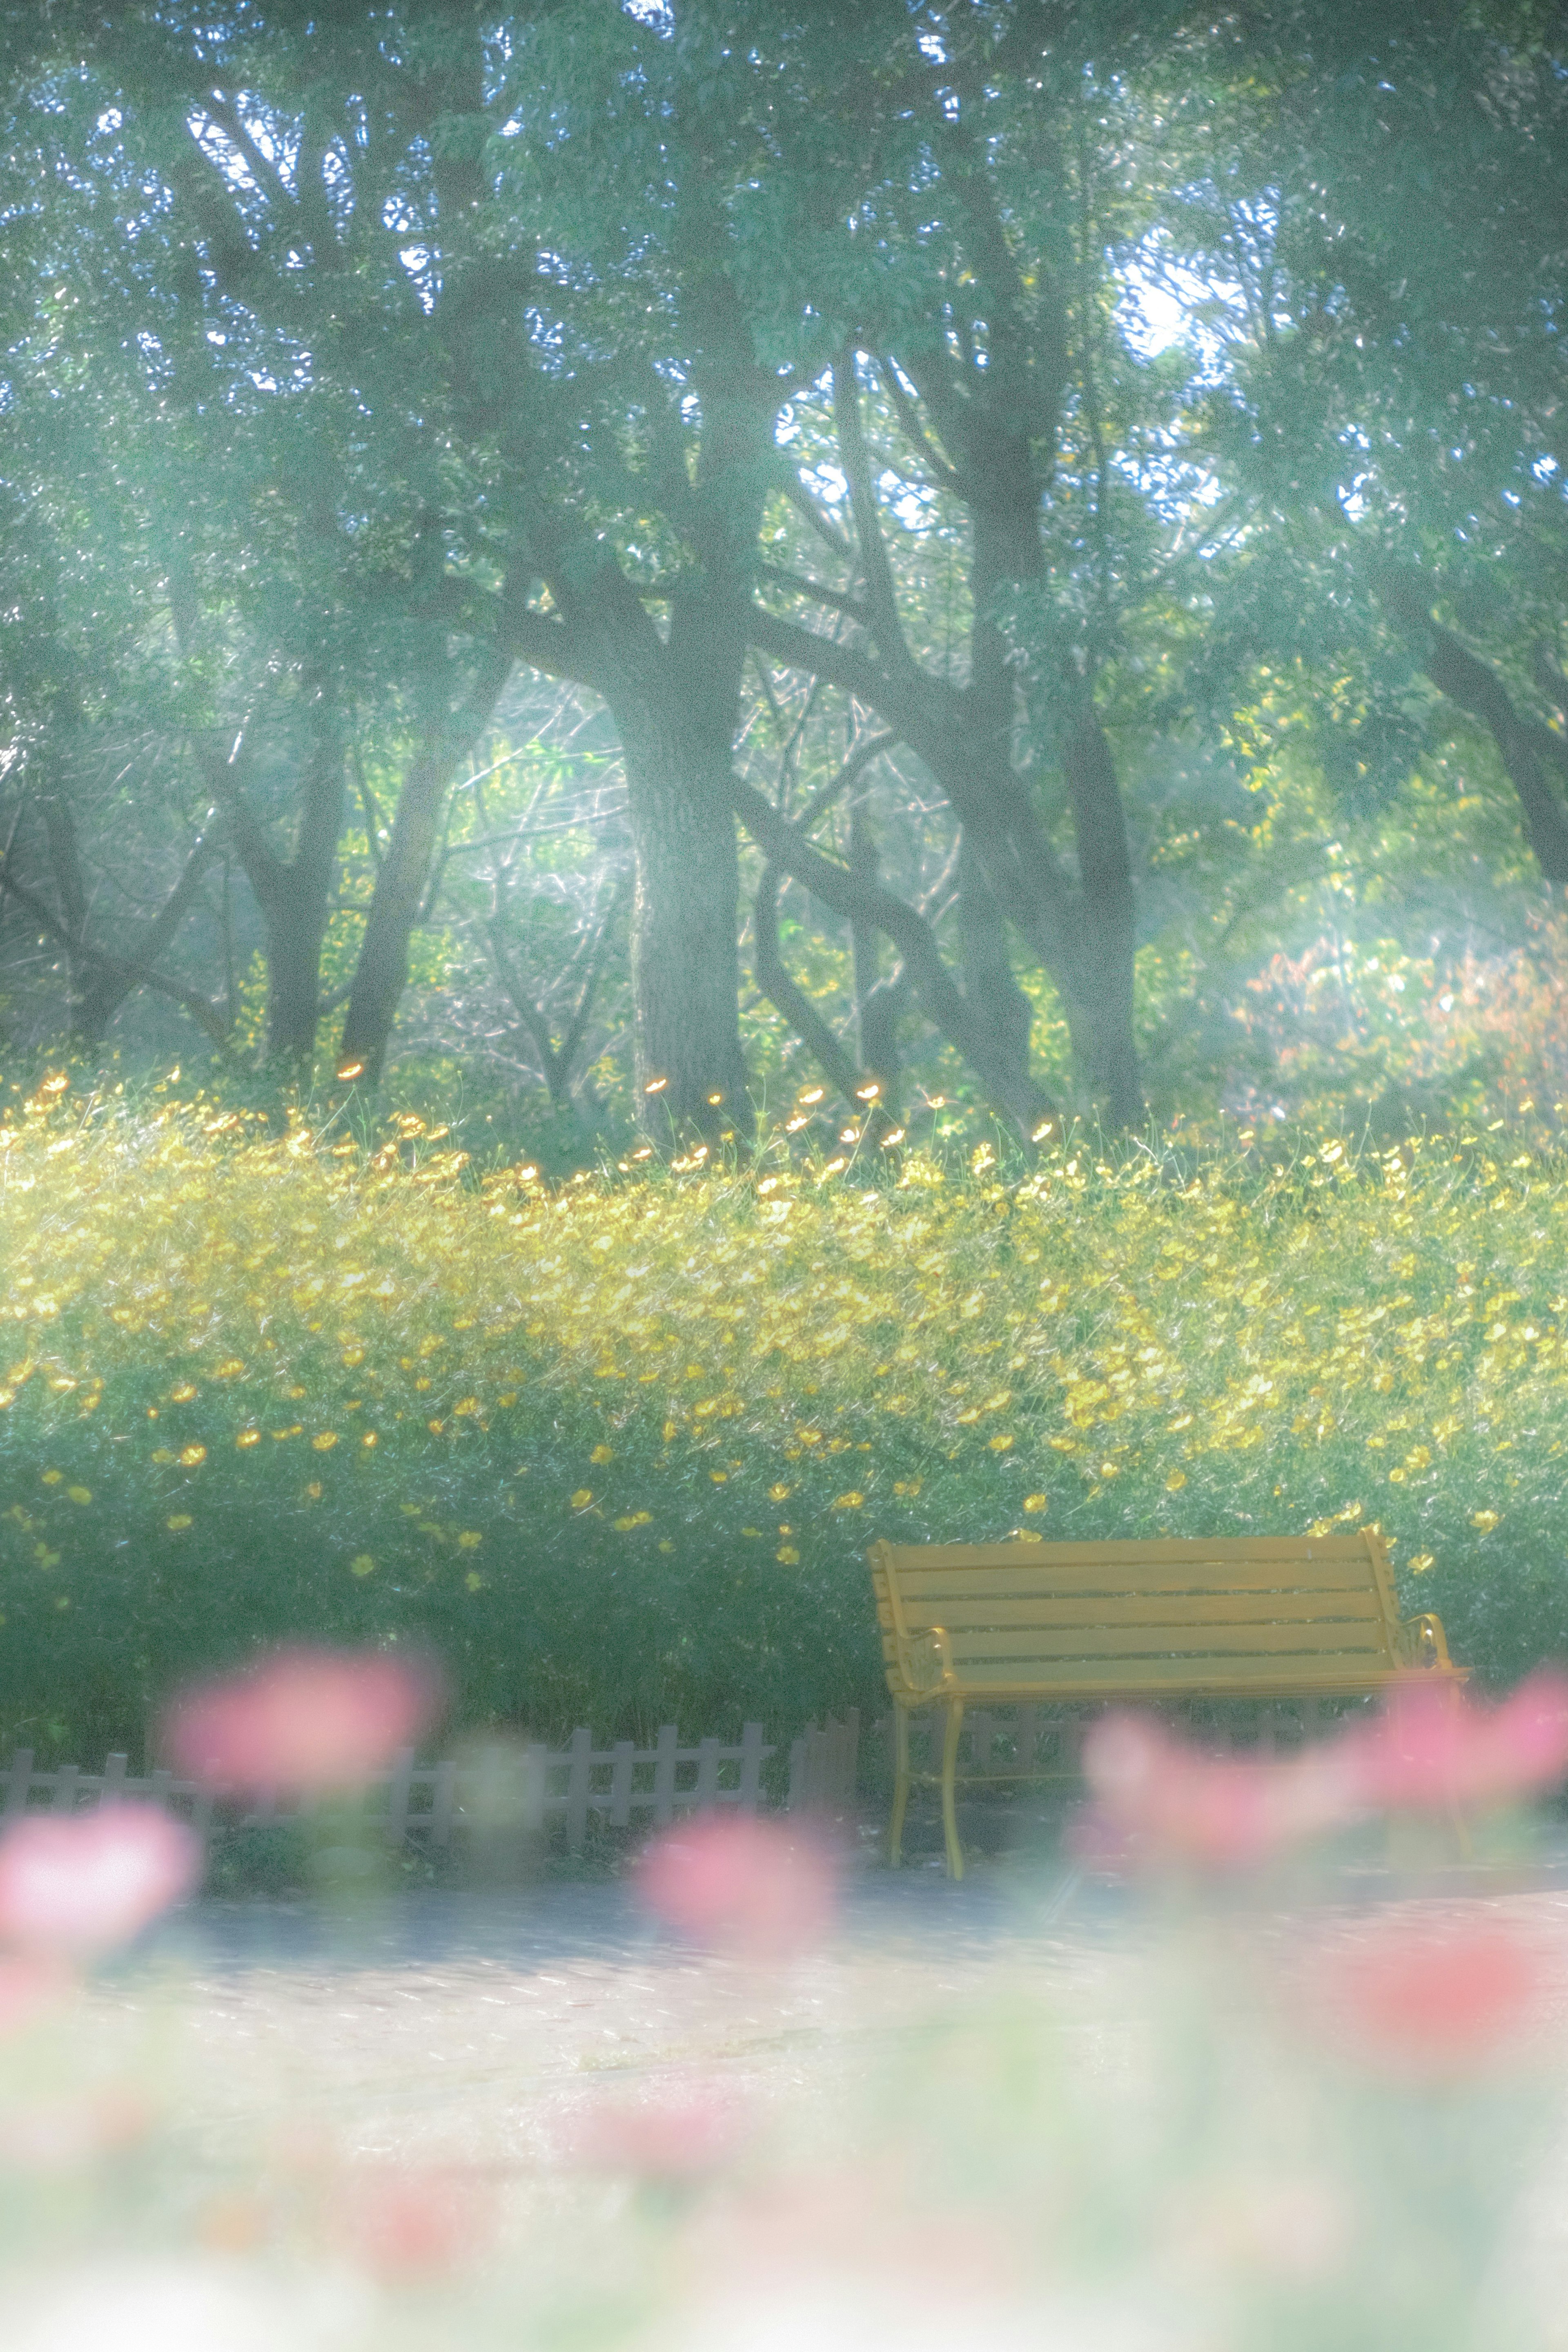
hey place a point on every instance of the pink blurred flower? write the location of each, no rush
(1159, 1798)
(30, 1983)
(730, 1879)
(1434, 1749)
(62, 2135)
(405, 2224)
(306, 1719)
(78, 1884)
(1428, 1997)
(669, 2140)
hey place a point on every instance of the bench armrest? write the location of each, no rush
(926, 1663)
(1421, 1641)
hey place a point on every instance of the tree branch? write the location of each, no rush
(855, 901)
(132, 970)
(882, 597)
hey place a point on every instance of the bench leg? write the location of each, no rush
(900, 1785)
(949, 1776)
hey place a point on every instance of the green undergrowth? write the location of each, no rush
(615, 1451)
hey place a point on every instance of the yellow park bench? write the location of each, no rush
(1257, 1617)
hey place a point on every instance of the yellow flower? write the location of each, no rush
(1037, 1502)
(634, 1519)
(1484, 1521)
(718, 1477)
(671, 1432)
(190, 1457)
(160, 1454)
(999, 1445)
(229, 1370)
(1420, 1563)
(79, 1493)
(788, 1554)
(361, 1564)
(581, 1499)
(249, 1437)
(314, 1490)
(176, 1521)
(780, 1494)
(1176, 1482)
(352, 1356)
(325, 1443)
(435, 1427)
(182, 1394)
(602, 1453)
(53, 1477)
(469, 1538)
(370, 1438)
(850, 1502)
(464, 1406)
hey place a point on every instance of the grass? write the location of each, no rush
(615, 1450)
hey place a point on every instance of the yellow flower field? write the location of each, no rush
(616, 1450)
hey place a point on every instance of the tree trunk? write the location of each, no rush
(685, 968)
(878, 1001)
(294, 908)
(1098, 985)
(989, 981)
(380, 973)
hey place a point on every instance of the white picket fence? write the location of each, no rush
(497, 1789)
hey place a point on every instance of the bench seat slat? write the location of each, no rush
(959, 1615)
(1074, 1679)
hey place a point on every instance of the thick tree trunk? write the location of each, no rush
(988, 981)
(291, 894)
(686, 969)
(294, 908)
(1100, 984)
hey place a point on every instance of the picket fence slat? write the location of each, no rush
(500, 1788)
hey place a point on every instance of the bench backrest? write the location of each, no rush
(1238, 1613)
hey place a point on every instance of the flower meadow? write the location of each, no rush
(613, 1450)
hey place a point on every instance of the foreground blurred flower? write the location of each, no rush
(80, 1885)
(404, 2223)
(1431, 1997)
(668, 2141)
(1435, 1750)
(751, 1884)
(308, 1719)
(1160, 1799)
(30, 1983)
